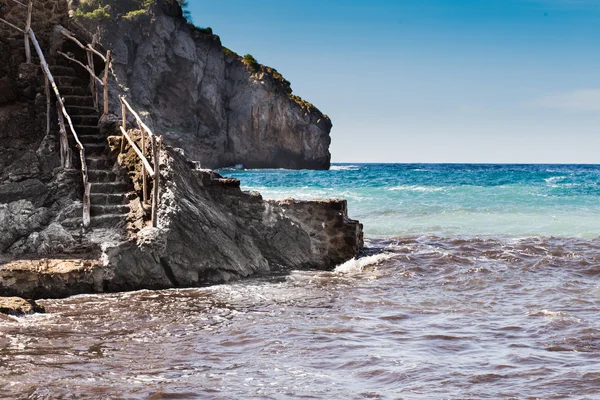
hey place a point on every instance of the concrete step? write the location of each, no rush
(101, 175)
(61, 70)
(78, 110)
(110, 187)
(113, 209)
(86, 129)
(84, 120)
(69, 81)
(109, 198)
(82, 101)
(92, 139)
(109, 221)
(74, 91)
(99, 162)
(95, 148)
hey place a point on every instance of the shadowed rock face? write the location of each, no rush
(219, 109)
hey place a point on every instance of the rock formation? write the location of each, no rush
(208, 230)
(222, 109)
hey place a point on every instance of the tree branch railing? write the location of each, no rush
(155, 141)
(65, 114)
(152, 170)
(62, 112)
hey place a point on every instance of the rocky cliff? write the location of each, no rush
(222, 109)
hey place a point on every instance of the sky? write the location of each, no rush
(433, 81)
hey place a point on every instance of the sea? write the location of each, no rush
(482, 282)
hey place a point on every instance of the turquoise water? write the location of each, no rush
(449, 199)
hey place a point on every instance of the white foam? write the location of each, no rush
(414, 188)
(358, 265)
(344, 168)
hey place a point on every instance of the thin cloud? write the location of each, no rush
(583, 100)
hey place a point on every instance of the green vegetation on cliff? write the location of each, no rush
(97, 10)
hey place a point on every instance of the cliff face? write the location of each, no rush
(221, 110)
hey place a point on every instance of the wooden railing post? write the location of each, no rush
(48, 104)
(65, 151)
(106, 69)
(84, 172)
(124, 116)
(144, 177)
(27, 29)
(156, 155)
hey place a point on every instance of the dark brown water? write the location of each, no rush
(434, 318)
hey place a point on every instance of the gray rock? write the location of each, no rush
(31, 189)
(19, 219)
(221, 111)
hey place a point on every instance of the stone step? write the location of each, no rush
(109, 221)
(99, 162)
(75, 91)
(78, 110)
(92, 139)
(109, 198)
(86, 130)
(110, 187)
(61, 70)
(82, 101)
(101, 175)
(95, 148)
(113, 209)
(84, 120)
(62, 80)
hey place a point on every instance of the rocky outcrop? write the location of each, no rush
(209, 231)
(221, 109)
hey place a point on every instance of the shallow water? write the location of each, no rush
(430, 317)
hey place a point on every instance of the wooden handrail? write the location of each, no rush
(155, 142)
(88, 69)
(27, 32)
(138, 152)
(19, 3)
(84, 171)
(66, 33)
(65, 153)
(12, 25)
(137, 117)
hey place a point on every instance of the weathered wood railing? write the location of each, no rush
(147, 169)
(62, 111)
(155, 141)
(94, 80)
(65, 153)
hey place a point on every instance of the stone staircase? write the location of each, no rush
(110, 191)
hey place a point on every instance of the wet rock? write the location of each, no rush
(51, 278)
(18, 306)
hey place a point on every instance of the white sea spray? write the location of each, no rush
(358, 265)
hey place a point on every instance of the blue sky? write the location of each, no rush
(499, 81)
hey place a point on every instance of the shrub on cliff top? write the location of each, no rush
(104, 9)
(251, 62)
